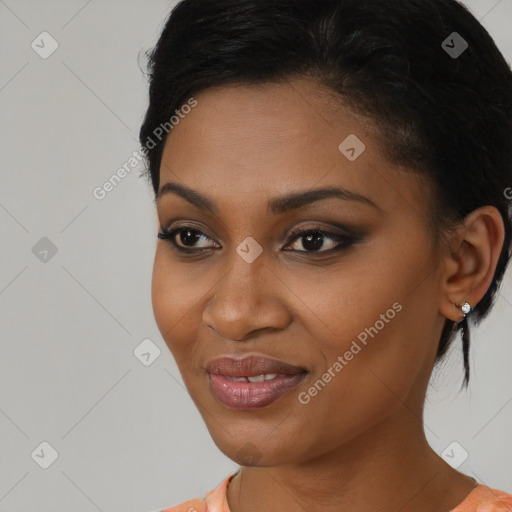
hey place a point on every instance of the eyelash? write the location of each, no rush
(344, 241)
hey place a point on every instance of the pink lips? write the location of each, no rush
(224, 372)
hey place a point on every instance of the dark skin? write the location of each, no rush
(359, 444)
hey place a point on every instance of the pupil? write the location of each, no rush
(188, 236)
(313, 241)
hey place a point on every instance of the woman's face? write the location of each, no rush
(363, 320)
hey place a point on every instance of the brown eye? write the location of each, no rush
(313, 240)
(187, 237)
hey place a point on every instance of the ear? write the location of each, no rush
(471, 261)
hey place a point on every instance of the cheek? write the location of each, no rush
(175, 303)
(374, 318)
(161, 295)
(372, 380)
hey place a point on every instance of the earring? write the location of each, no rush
(466, 308)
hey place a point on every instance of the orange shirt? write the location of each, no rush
(481, 499)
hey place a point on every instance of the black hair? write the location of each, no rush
(442, 101)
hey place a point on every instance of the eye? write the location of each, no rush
(187, 236)
(314, 239)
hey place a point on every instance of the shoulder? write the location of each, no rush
(196, 505)
(214, 501)
(486, 499)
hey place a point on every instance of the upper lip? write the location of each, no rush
(249, 366)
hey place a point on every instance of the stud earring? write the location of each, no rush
(466, 308)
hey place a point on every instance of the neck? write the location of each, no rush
(390, 467)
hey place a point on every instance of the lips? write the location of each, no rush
(250, 395)
(251, 366)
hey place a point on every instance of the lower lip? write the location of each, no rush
(249, 395)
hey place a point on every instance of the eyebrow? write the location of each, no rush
(276, 205)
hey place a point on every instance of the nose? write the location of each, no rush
(249, 299)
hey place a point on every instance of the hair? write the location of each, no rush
(447, 118)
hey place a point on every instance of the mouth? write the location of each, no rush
(253, 381)
(251, 366)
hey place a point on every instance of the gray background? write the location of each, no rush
(128, 436)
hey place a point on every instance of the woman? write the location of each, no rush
(331, 185)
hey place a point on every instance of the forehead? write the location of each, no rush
(251, 141)
(276, 118)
